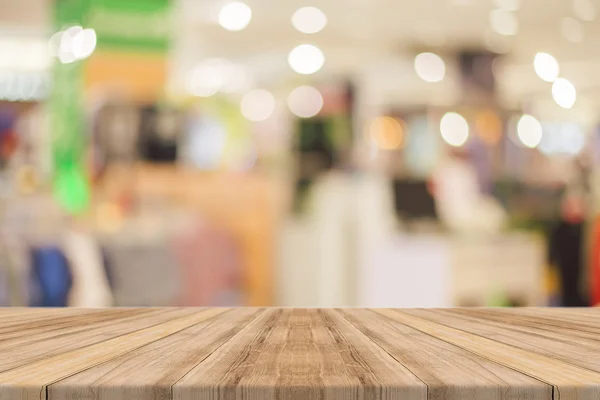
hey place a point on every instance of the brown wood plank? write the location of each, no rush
(20, 355)
(575, 350)
(450, 372)
(547, 327)
(570, 381)
(29, 381)
(12, 322)
(149, 371)
(300, 354)
(32, 331)
(202, 354)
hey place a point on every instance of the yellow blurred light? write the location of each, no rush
(430, 67)
(564, 93)
(387, 133)
(235, 16)
(309, 20)
(546, 67)
(489, 127)
(530, 131)
(454, 129)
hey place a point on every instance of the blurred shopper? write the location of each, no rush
(595, 264)
(460, 202)
(565, 251)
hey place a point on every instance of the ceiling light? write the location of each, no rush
(504, 22)
(454, 129)
(235, 16)
(430, 67)
(65, 49)
(309, 20)
(572, 30)
(84, 43)
(546, 67)
(258, 105)
(305, 101)
(306, 59)
(529, 131)
(564, 93)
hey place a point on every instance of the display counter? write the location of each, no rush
(275, 353)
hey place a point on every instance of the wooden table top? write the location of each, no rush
(274, 353)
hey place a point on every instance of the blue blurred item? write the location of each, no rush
(51, 274)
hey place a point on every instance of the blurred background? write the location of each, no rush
(370, 153)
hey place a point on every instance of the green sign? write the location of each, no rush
(131, 24)
(67, 117)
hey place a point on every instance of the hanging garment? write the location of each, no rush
(90, 284)
(565, 253)
(595, 267)
(210, 267)
(143, 274)
(52, 275)
(4, 286)
(14, 272)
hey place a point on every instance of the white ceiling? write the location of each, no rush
(380, 37)
(374, 37)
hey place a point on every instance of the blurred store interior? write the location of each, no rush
(353, 153)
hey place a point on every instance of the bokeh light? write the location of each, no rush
(504, 22)
(564, 93)
(235, 16)
(305, 101)
(572, 29)
(258, 105)
(204, 81)
(309, 20)
(454, 129)
(387, 133)
(84, 43)
(430, 67)
(546, 67)
(530, 131)
(489, 127)
(306, 59)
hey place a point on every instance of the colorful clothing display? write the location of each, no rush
(143, 274)
(52, 277)
(210, 267)
(90, 284)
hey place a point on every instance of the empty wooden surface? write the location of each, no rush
(273, 353)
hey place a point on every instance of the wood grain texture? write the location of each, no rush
(253, 353)
(570, 382)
